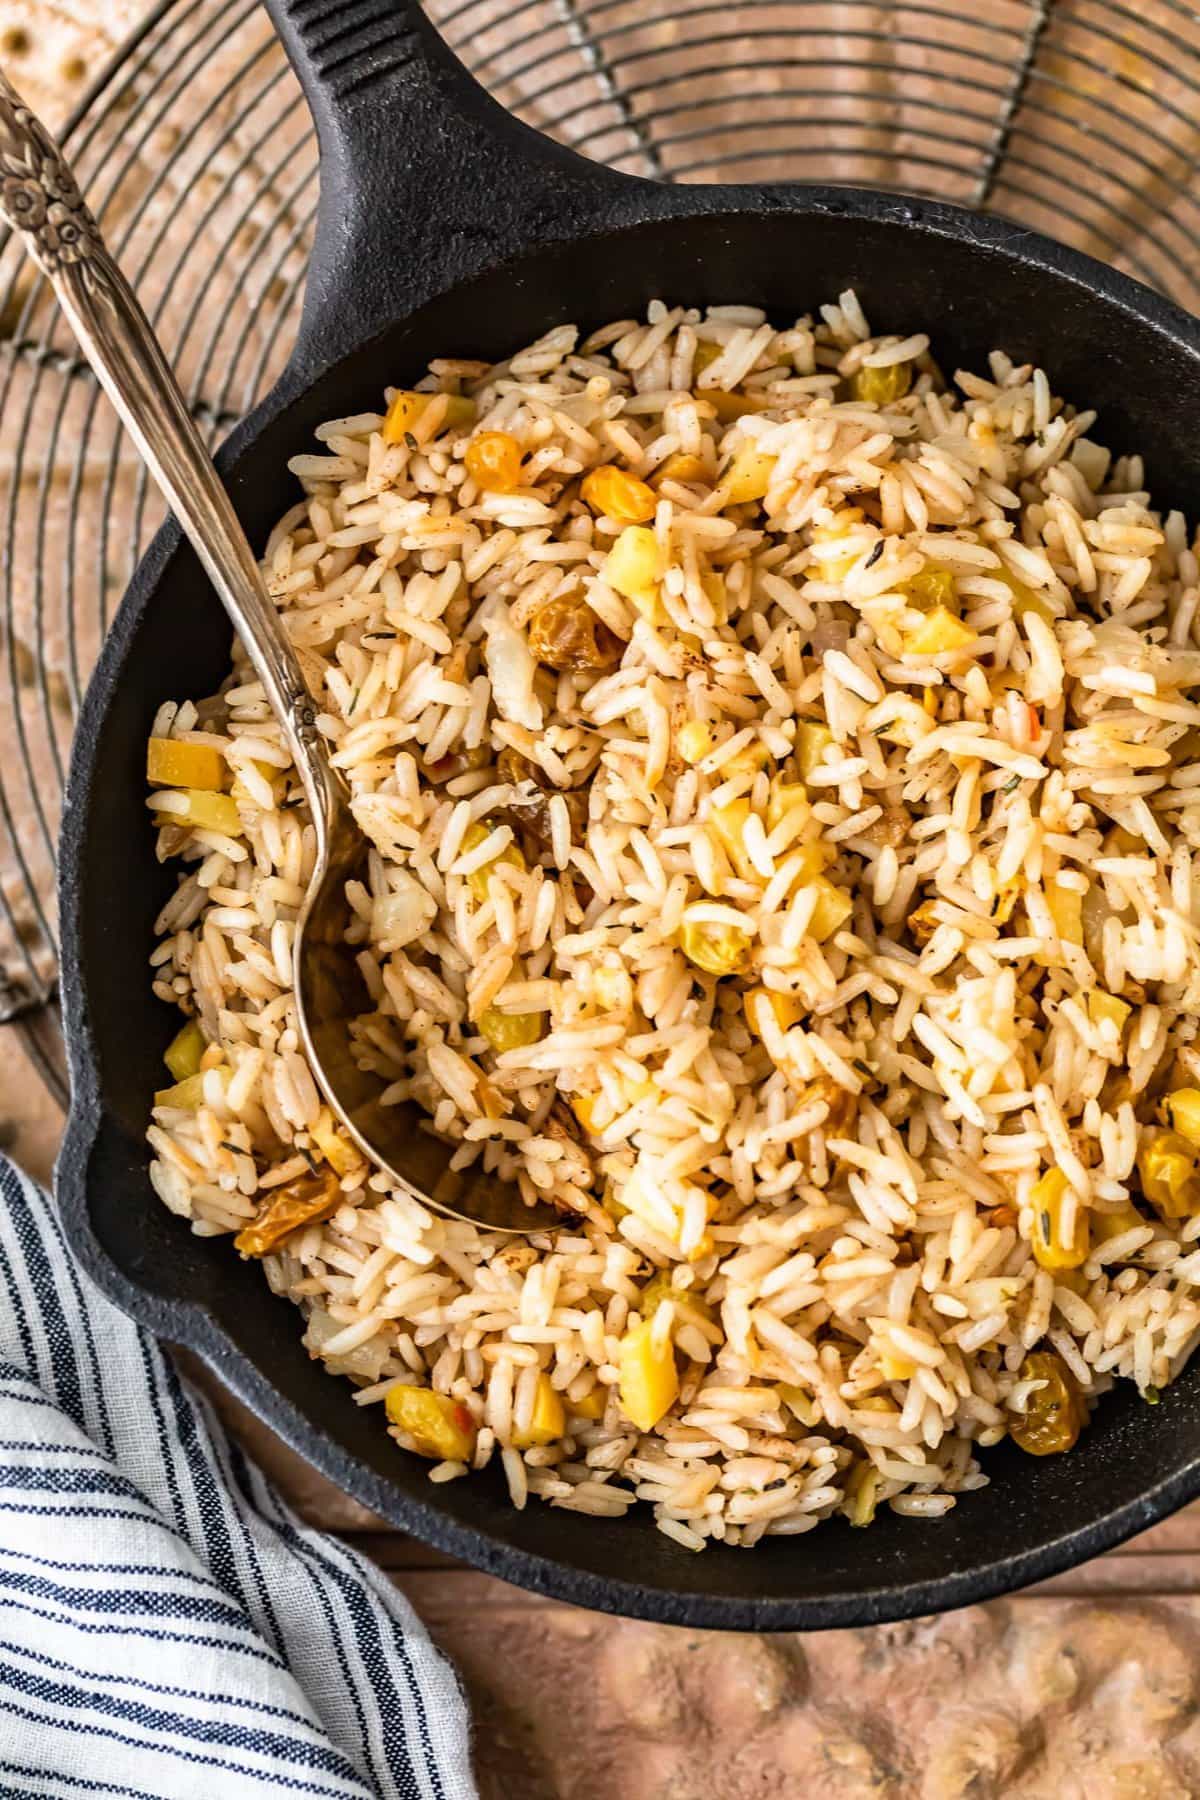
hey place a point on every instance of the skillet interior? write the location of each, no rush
(974, 284)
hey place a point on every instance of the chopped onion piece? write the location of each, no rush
(511, 668)
(399, 917)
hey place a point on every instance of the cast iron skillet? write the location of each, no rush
(447, 228)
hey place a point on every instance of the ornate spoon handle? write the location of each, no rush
(40, 198)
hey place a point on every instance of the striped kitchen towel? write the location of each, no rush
(168, 1627)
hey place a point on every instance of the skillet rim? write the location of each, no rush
(187, 1323)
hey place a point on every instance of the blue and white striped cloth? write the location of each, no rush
(168, 1627)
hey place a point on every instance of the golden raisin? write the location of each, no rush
(529, 808)
(567, 634)
(881, 387)
(931, 586)
(478, 879)
(493, 461)
(509, 1031)
(1054, 1413)
(304, 1200)
(618, 495)
(718, 949)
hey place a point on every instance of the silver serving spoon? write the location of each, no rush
(39, 197)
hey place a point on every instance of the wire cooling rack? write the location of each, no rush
(1077, 117)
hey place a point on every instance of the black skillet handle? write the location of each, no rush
(425, 179)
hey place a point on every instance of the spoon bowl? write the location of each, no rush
(330, 996)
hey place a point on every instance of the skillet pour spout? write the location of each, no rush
(447, 228)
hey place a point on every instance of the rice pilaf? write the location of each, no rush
(781, 767)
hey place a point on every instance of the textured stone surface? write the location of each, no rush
(54, 49)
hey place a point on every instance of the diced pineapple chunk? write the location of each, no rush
(1066, 909)
(338, 1151)
(939, 632)
(275, 777)
(695, 740)
(799, 1401)
(173, 762)
(716, 592)
(585, 1107)
(183, 1053)
(206, 811)
(1024, 599)
(747, 761)
(1051, 1248)
(634, 567)
(648, 1379)
(406, 408)
(812, 741)
(748, 476)
(613, 989)
(547, 1421)
(836, 568)
(187, 1094)
(595, 1112)
(833, 908)
(896, 1368)
(1183, 1110)
(213, 812)
(728, 824)
(787, 1009)
(843, 521)
(786, 800)
(439, 1427)
(681, 466)
(731, 403)
(592, 1406)
(1104, 1009)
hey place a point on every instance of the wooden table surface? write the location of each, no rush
(1080, 1689)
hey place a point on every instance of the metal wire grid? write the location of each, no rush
(1079, 117)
